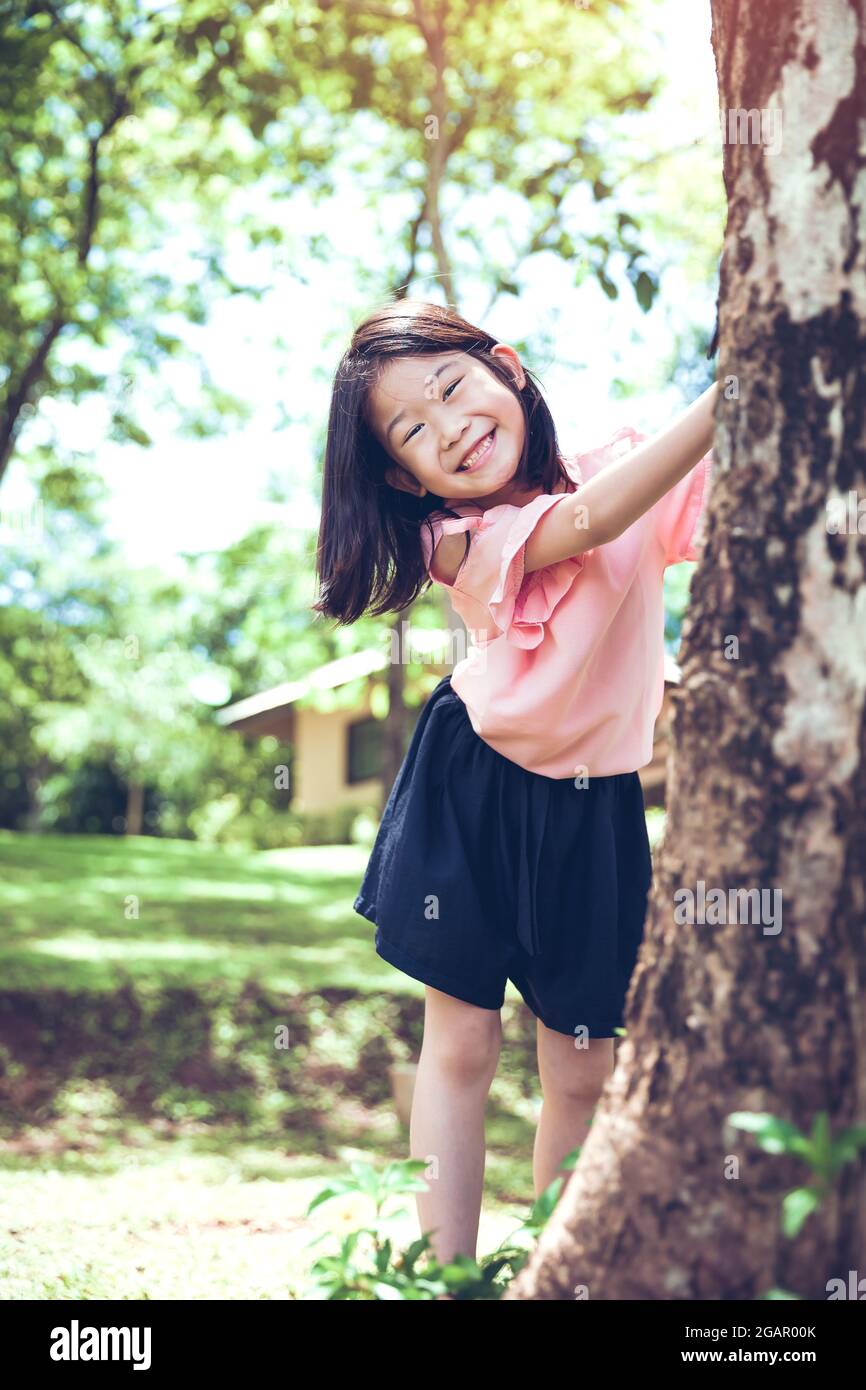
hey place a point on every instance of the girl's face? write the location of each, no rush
(432, 413)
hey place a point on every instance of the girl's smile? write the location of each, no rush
(480, 454)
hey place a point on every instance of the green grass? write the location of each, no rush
(135, 1211)
(95, 911)
(153, 1143)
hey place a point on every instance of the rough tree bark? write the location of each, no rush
(767, 784)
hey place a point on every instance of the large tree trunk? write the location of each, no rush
(768, 775)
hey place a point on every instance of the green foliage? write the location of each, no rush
(677, 584)
(824, 1154)
(367, 1266)
(655, 824)
(102, 680)
(107, 674)
(114, 117)
(228, 822)
(117, 117)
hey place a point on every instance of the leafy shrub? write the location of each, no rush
(367, 1266)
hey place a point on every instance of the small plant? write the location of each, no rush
(368, 1266)
(824, 1155)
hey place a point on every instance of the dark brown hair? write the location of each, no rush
(369, 553)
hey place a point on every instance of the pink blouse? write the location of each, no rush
(564, 673)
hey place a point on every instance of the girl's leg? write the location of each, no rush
(571, 1079)
(458, 1061)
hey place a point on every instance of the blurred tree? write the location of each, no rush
(112, 117)
(103, 667)
(139, 712)
(115, 116)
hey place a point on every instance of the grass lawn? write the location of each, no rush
(140, 1214)
(90, 911)
(163, 1154)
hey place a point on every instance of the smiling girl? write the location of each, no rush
(513, 844)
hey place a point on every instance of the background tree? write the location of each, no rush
(115, 118)
(110, 676)
(768, 781)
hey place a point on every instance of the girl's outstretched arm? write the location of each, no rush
(609, 502)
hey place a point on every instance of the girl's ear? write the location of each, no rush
(512, 361)
(403, 479)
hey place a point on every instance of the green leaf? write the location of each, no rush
(796, 1206)
(645, 288)
(849, 1143)
(387, 1292)
(773, 1135)
(338, 1188)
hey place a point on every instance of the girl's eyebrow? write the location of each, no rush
(399, 417)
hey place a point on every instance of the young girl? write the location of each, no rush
(513, 844)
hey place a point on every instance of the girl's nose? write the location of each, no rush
(451, 443)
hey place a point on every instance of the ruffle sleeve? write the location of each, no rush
(625, 439)
(445, 526)
(521, 603)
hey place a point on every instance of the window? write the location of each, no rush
(364, 750)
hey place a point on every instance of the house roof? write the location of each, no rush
(327, 677)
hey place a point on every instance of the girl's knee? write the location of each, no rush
(570, 1075)
(463, 1039)
(575, 1089)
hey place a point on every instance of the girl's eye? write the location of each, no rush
(445, 395)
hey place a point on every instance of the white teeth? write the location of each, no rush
(475, 454)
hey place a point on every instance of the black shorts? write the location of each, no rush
(483, 872)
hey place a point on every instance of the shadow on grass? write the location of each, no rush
(99, 911)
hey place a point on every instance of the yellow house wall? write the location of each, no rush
(321, 746)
